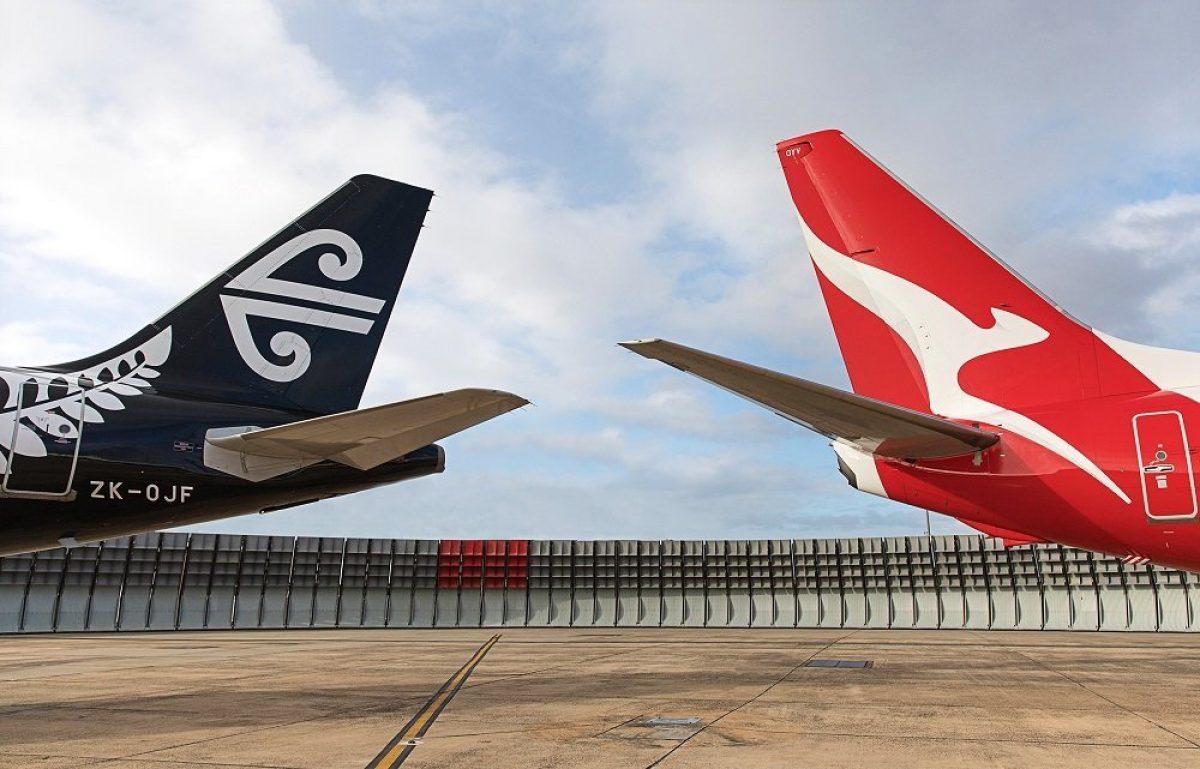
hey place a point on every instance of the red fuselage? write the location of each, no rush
(1021, 486)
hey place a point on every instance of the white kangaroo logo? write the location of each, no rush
(943, 341)
(289, 344)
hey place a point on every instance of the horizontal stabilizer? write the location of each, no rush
(873, 426)
(362, 439)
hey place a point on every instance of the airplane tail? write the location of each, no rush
(297, 323)
(923, 313)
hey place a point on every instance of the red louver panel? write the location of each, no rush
(493, 564)
(449, 563)
(472, 563)
(518, 563)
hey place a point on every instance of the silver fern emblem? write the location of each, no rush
(60, 403)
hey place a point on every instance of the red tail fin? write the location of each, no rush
(921, 310)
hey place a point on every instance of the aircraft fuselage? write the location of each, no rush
(143, 468)
(1135, 495)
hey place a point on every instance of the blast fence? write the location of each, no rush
(181, 581)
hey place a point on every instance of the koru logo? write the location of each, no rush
(289, 345)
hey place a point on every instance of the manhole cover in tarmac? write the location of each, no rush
(838, 664)
(676, 728)
(668, 721)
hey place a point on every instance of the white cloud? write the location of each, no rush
(1159, 231)
(1129, 269)
(144, 172)
(1013, 119)
(1159, 238)
(146, 147)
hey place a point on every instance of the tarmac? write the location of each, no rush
(670, 698)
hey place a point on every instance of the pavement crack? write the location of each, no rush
(753, 699)
(1110, 701)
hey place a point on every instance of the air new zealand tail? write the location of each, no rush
(240, 399)
(296, 323)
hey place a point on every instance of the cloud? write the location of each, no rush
(1159, 231)
(133, 177)
(603, 173)
(1138, 259)
(1143, 276)
(1015, 122)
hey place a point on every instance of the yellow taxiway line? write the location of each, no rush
(402, 744)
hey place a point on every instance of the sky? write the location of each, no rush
(603, 171)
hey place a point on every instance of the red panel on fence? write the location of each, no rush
(492, 564)
(517, 563)
(472, 562)
(449, 563)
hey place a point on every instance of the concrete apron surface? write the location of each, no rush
(597, 697)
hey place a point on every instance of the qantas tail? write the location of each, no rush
(294, 325)
(923, 314)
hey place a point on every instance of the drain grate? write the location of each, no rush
(838, 664)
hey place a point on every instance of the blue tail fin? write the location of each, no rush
(296, 324)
